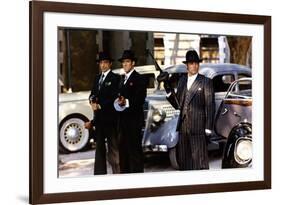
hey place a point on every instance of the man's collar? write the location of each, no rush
(129, 74)
(106, 73)
(192, 76)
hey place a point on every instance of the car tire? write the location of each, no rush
(73, 136)
(236, 134)
(173, 157)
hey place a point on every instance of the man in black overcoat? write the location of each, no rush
(103, 94)
(195, 100)
(129, 104)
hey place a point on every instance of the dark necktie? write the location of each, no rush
(101, 81)
(121, 82)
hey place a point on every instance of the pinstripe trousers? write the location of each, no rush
(192, 150)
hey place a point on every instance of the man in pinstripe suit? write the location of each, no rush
(195, 99)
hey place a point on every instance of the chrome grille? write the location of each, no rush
(170, 110)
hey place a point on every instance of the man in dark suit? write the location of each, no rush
(103, 94)
(195, 100)
(129, 104)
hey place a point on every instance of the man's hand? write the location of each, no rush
(88, 125)
(95, 106)
(208, 134)
(121, 101)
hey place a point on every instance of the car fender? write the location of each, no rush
(232, 138)
(68, 108)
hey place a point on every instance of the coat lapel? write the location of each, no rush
(182, 89)
(97, 84)
(193, 89)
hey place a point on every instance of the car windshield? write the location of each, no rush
(222, 82)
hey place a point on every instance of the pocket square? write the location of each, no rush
(107, 83)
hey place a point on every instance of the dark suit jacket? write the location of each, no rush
(106, 96)
(197, 104)
(131, 121)
(135, 91)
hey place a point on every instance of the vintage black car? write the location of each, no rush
(234, 123)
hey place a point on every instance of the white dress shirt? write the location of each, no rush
(190, 80)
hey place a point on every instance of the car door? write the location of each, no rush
(235, 107)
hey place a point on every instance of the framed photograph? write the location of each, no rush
(66, 45)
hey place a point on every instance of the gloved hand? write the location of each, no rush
(167, 87)
(163, 77)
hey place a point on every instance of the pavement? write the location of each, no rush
(82, 163)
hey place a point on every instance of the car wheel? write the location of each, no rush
(173, 157)
(73, 136)
(238, 149)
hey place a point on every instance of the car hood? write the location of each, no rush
(157, 95)
(75, 96)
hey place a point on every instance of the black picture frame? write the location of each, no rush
(37, 9)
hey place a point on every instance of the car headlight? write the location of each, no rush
(243, 151)
(158, 115)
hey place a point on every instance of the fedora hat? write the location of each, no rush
(192, 56)
(128, 54)
(103, 56)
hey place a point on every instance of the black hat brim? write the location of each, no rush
(109, 59)
(199, 61)
(121, 59)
